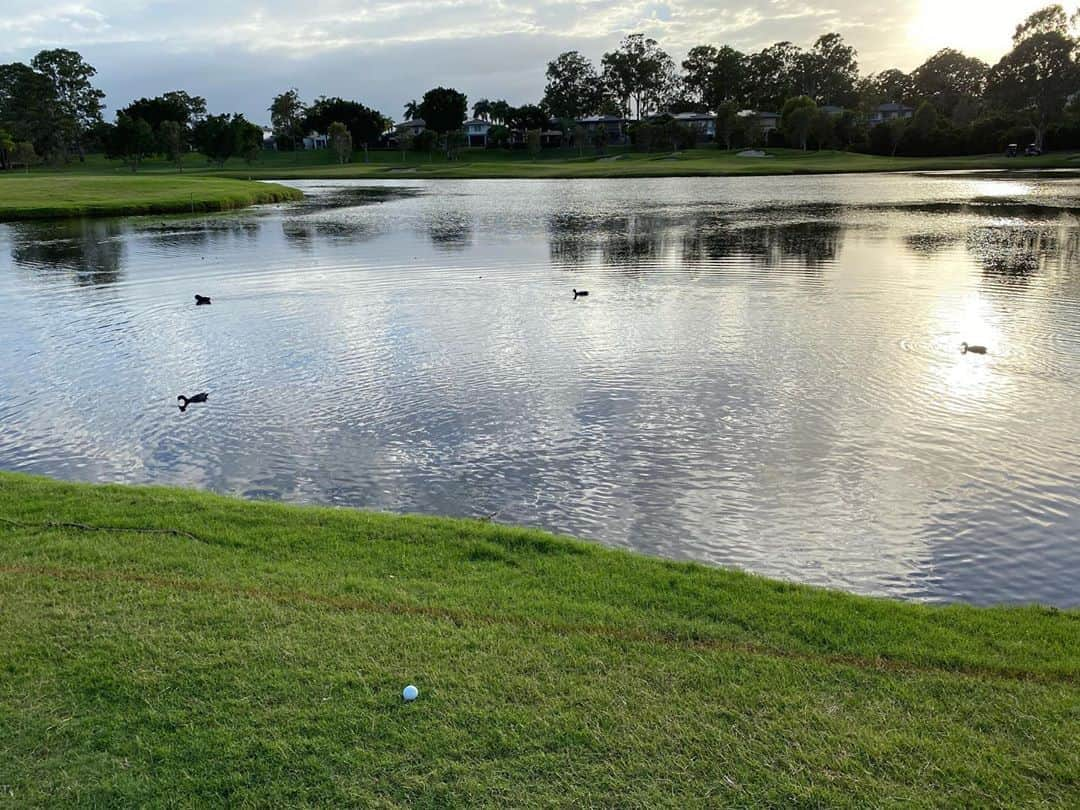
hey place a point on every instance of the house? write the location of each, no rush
(703, 122)
(316, 140)
(551, 138)
(767, 121)
(614, 127)
(890, 112)
(414, 126)
(832, 109)
(268, 139)
(476, 131)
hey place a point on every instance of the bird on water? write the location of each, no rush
(580, 293)
(201, 300)
(185, 401)
(965, 348)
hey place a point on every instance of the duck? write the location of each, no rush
(201, 300)
(185, 401)
(964, 349)
(580, 293)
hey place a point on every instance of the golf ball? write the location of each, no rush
(410, 692)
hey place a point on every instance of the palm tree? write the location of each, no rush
(482, 109)
(412, 110)
(499, 111)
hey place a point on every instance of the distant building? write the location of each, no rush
(476, 131)
(614, 126)
(832, 109)
(316, 140)
(268, 139)
(415, 126)
(703, 122)
(767, 121)
(890, 112)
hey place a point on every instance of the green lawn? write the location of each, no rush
(211, 652)
(554, 163)
(42, 195)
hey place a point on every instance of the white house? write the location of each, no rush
(476, 131)
(316, 140)
(890, 112)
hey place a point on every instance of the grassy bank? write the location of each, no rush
(211, 651)
(692, 163)
(560, 163)
(45, 195)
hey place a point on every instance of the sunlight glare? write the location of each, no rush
(976, 27)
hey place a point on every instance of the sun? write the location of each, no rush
(981, 28)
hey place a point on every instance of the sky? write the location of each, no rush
(240, 53)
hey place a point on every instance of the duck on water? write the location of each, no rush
(965, 348)
(185, 401)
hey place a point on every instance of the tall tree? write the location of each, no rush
(500, 111)
(893, 85)
(714, 76)
(640, 74)
(443, 109)
(948, 76)
(221, 137)
(341, 142)
(830, 70)
(797, 119)
(727, 123)
(365, 125)
(130, 140)
(176, 105)
(172, 139)
(80, 102)
(30, 109)
(412, 110)
(1049, 20)
(482, 109)
(774, 75)
(573, 87)
(1037, 77)
(287, 116)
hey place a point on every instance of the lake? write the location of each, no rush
(766, 374)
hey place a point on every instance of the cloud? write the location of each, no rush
(385, 52)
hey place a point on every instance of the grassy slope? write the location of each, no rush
(261, 659)
(42, 195)
(699, 162)
(555, 163)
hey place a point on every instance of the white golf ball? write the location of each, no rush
(410, 692)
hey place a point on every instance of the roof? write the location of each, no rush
(603, 119)
(893, 106)
(415, 122)
(477, 121)
(694, 116)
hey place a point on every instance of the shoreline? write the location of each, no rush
(58, 196)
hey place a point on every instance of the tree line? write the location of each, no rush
(51, 110)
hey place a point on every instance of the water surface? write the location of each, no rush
(766, 374)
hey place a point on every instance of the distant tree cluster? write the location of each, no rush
(951, 103)
(292, 119)
(48, 108)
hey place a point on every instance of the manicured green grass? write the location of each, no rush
(692, 163)
(254, 654)
(43, 195)
(556, 163)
